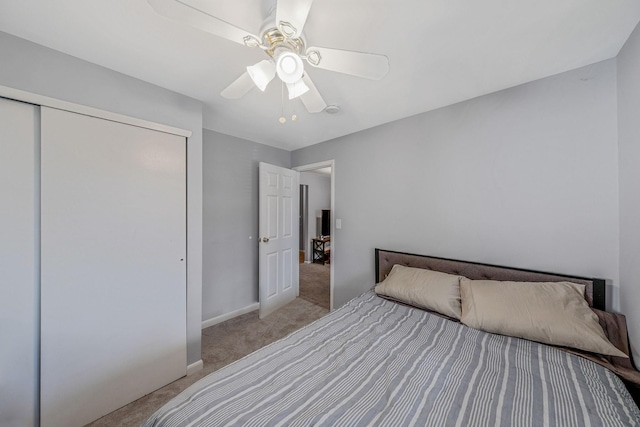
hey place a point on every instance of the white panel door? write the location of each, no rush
(278, 254)
(113, 304)
(18, 264)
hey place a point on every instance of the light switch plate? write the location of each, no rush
(338, 223)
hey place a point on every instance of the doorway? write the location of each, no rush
(303, 222)
(317, 232)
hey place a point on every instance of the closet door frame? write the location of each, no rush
(45, 101)
(194, 219)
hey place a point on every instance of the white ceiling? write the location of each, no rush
(440, 52)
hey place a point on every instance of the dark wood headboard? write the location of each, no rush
(385, 260)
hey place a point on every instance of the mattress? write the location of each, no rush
(376, 362)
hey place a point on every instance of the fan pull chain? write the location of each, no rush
(294, 117)
(282, 118)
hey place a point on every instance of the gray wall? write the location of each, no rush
(230, 270)
(526, 177)
(629, 158)
(34, 68)
(319, 198)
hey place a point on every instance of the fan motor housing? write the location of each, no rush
(273, 39)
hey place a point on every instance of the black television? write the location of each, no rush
(326, 222)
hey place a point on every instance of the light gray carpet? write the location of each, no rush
(315, 283)
(222, 344)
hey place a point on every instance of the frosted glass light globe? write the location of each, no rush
(289, 67)
(288, 64)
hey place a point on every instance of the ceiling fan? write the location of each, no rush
(281, 38)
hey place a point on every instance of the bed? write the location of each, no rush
(377, 361)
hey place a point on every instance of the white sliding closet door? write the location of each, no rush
(18, 264)
(113, 298)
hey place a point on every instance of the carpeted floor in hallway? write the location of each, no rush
(222, 344)
(315, 283)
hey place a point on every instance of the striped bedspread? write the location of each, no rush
(374, 362)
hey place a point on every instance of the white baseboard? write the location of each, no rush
(231, 315)
(194, 367)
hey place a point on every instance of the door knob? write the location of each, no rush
(265, 239)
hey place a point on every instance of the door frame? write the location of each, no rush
(309, 168)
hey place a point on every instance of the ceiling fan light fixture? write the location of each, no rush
(296, 89)
(262, 73)
(281, 38)
(289, 67)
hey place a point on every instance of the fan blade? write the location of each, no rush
(312, 99)
(291, 16)
(183, 12)
(239, 87)
(368, 65)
